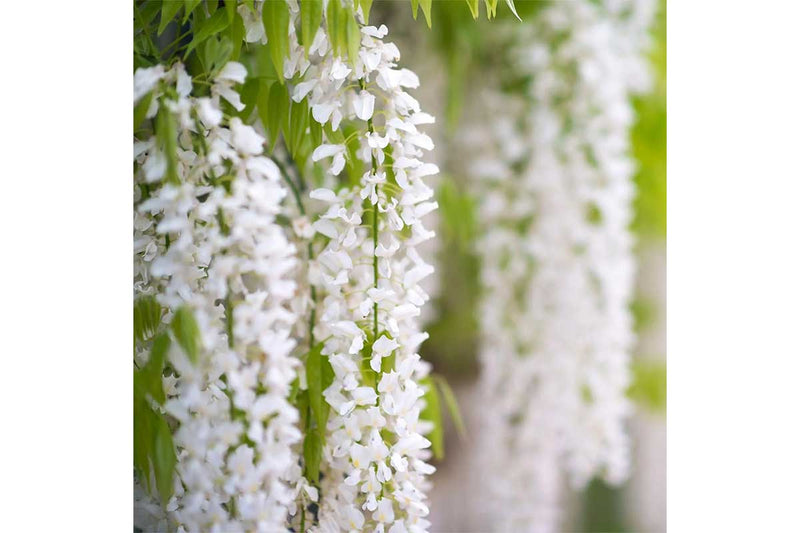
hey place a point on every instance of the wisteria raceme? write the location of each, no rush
(206, 240)
(556, 188)
(367, 279)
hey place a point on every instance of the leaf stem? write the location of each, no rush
(374, 240)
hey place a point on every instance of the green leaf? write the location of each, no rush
(189, 5)
(312, 455)
(327, 375)
(186, 332)
(158, 352)
(167, 138)
(140, 110)
(513, 9)
(457, 212)
(145, 13)
(327, 379)
(314, 379)
(298, 124)
(473, 8)
(149, 447)
(452, 404)
(368, 376)
(237, 33)
(275, 15)
(230, 9)
(491, 9)
(353, 38)
(249, 93)
(260, 64)
(262, 105)
(143, 436)
(331, 21)
(366, 6)
(649, 387)
(355, 167)
(164, 460)
(212, 26)
(433, 413)
(336, 18)
(147, 382)
(310, 21)
(302, 407)
(316, 132)
(215, 52)
(426, 10)
(278, 111)
(414, 8)
(169, 8)
(644, 313)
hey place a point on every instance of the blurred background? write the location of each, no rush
(451, 82)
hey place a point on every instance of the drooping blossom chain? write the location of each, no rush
(556, 188)
(367, 276)
(209, 241)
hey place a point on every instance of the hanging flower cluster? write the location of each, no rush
(367, 283)
(556, 185)
(207, 245)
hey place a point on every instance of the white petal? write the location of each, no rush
(232, 71)
(364, 105)
(322, 112)
(184, 85)
(384, 346)
(421, 118)
(245, 139)
(325, 195)
(338, 163)
(302, 89)
(408, 79)
(230, 95)
(144, 79)
(427, 169)
(326, 227)
(372, 31)
(209, 113)
(326, 150)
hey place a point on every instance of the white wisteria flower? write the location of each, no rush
(214, 247)
(555, 181)
(366, 275)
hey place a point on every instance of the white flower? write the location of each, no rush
(145, 79)
(231, 73)
(254, 28)
(245, 139)
(548, 160)
(385, 512)
(328, 150)
(208, 113)
(197, 246)
(383, 347)
(363, 105)
(368, 289)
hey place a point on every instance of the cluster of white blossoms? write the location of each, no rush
(555, 179)
(367, 279)
(206, 239)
